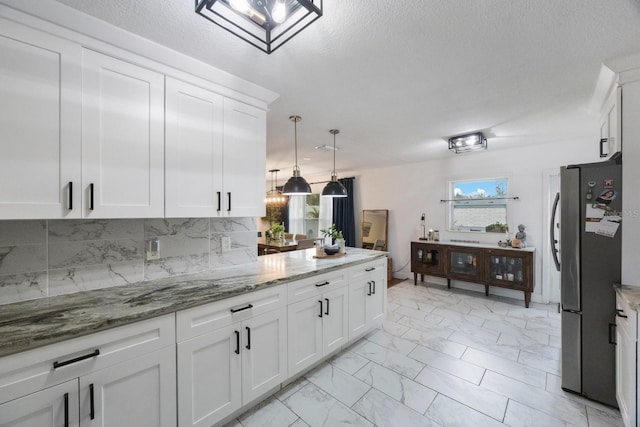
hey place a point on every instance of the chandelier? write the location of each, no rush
(275, 196)
(265, 24)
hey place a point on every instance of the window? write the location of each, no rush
(478, 205)
(308, 214)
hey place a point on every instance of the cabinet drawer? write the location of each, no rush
(207, 318)
(313, 286)
(32, 370)
(368, 270)
(630, 322)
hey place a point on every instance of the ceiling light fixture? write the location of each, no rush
(468, 142)
(334, 188)
(275, 196)
(296, 185)
(265, 24)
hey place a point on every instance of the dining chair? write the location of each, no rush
(306, 243)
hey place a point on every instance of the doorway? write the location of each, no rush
(550, 275)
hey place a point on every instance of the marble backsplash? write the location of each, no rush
(54, 257)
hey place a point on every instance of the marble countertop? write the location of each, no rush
(31, 324)
(476, 245)
(631, 294)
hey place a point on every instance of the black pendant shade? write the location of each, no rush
(296, 185)
(334, 188)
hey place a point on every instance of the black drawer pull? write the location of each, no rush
(369, 294)
(229, 207)
(57, 364)
(92, 412)
(327, 312)
(374, 287)
(91, 196)
(320, 315)
(235, 310)
(66, 410)
(218, 202)
(237, 342)
(620, 313)
(322, 284)
(248, 346)
(370, 269)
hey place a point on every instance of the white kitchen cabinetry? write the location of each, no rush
(39, 124)
(229, 353)
(319, 321)
(626, 361)
(611, 124)
(123, 376)
(122, 139)
(367, 296)
(215, 151)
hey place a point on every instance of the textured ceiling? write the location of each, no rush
(397, 76)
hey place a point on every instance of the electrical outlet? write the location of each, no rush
(153, 249)
(226, 244)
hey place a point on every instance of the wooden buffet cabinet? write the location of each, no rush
(483, 264)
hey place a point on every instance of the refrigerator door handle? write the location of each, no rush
(552, 232)
(612, 334)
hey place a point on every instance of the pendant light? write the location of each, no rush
(296, 185)
(334, 188)
(274, 196)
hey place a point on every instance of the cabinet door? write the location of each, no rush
(335, 320)
(209, 374)
(40, 101)
(122, 139)
(52, 407)
(464, 263)
(139, 392)
(626, 368)
(357, 308)
(244, 159)
(508, 269)
(193, 151)
(305, 334)
(264, 353)
(375, 303)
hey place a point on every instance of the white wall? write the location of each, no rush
(411, 189)
(631, 184)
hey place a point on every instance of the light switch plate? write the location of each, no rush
(153, 249)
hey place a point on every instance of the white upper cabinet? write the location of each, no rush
(215, 154)
(122, 139)
(245, 136)
(193, 151)
(39, 125)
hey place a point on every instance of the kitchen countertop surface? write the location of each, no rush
(631, 294)
(31, 324)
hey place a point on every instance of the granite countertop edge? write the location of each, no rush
(32, 324)
(631, 294)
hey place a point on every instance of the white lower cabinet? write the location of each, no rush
(626, 361)
(121, 377)
(317, 327)
(367, 296)
(242, 358)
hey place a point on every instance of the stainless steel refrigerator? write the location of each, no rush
(589, 264)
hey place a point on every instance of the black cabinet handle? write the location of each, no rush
(92, 412)
(369, 294)
(218, 202)
(370, 269)
(374, 287)
(235, 310)
(612, 334)
(320, 315)
(229, 199)
(237, 342)
(91, 196)
(620, 313)
(248, 346)
(322, 284)
(66, 410)
(327, 312)
(57, 364)
(70, 188)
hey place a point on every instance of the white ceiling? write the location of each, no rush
(397, 76)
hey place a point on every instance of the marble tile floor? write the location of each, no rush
(441, 358)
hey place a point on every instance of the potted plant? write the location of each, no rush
(336, 237)
(277, 232)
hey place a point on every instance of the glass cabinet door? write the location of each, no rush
(506, 268)
(426, 258)
(464, 262)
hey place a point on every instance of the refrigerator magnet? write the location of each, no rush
(589, 195)
(608, 183)
(606, 197)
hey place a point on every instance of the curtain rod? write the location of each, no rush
(480, 198)
(324, 182)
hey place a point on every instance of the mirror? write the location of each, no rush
(374, 229)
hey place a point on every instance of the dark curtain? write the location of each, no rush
(343, 214)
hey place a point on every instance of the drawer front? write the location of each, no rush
(33, 370)
(630, 322)
(368, 270)
(210, 317)
(314, 286)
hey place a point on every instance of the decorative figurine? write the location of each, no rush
(519, 240)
